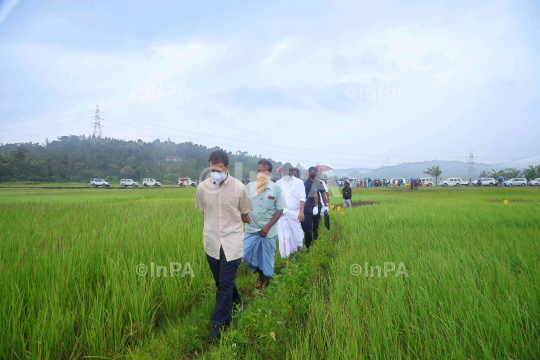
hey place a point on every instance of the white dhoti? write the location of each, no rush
(290, 234)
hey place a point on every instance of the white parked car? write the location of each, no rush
(451, 182)
(489, 181)
(99, 182)
(465, 182)
(396, 180)
(516, 182)
(128, 182)
(186, 182)
(150, 182)
(535, 182)
(427, 181)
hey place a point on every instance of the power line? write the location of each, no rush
(266, 150)
(257, 149)
(50, 125)
(48, 117)
(313, 160)
(97, 112)
(273, 145)
(74, 127)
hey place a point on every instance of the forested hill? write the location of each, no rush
(79, 158)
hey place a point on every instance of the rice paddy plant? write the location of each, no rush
(70, 286)
(70, 278)
(471, 289)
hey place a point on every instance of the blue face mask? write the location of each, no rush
(218, 176)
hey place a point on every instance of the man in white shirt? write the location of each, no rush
(290, 232)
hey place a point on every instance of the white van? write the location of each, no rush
(395, 180)
(451, 182)
(516, 182)
(427, 181)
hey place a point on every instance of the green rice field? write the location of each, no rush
(73, 285)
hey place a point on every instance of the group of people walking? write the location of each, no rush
(287, 212)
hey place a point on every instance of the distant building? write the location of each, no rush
(171, 158)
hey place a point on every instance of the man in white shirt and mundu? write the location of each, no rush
(225, 203)
(290, 234)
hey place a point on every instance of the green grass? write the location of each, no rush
(472, 290)
(69, 286)
(68, 282)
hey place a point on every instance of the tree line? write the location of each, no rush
(80, 158)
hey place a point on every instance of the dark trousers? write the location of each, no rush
(227, 295)
(316, 220)
(307, 227)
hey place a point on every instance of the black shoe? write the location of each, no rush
(215, 334)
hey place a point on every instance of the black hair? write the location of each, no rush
(312, 168)
(294, 169)
(265, 162)
(286, 167)
(219, 156)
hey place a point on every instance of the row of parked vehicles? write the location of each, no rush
(489, 182)
(183, 181)
(125, 182)
(465, 182)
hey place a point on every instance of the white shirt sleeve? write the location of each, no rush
(301, 191)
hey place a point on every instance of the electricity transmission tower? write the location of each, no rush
(472, 168)
(97, 124)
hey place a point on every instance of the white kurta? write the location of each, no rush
(290, 232)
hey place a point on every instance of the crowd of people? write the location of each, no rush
(368, 182)
(287, 212)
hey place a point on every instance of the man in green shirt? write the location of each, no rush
(260, 234)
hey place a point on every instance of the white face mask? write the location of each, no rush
(218, 176)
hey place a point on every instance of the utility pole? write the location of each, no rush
(97, 124)
(472, 168)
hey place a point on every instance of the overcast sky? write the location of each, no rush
(315, 82)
